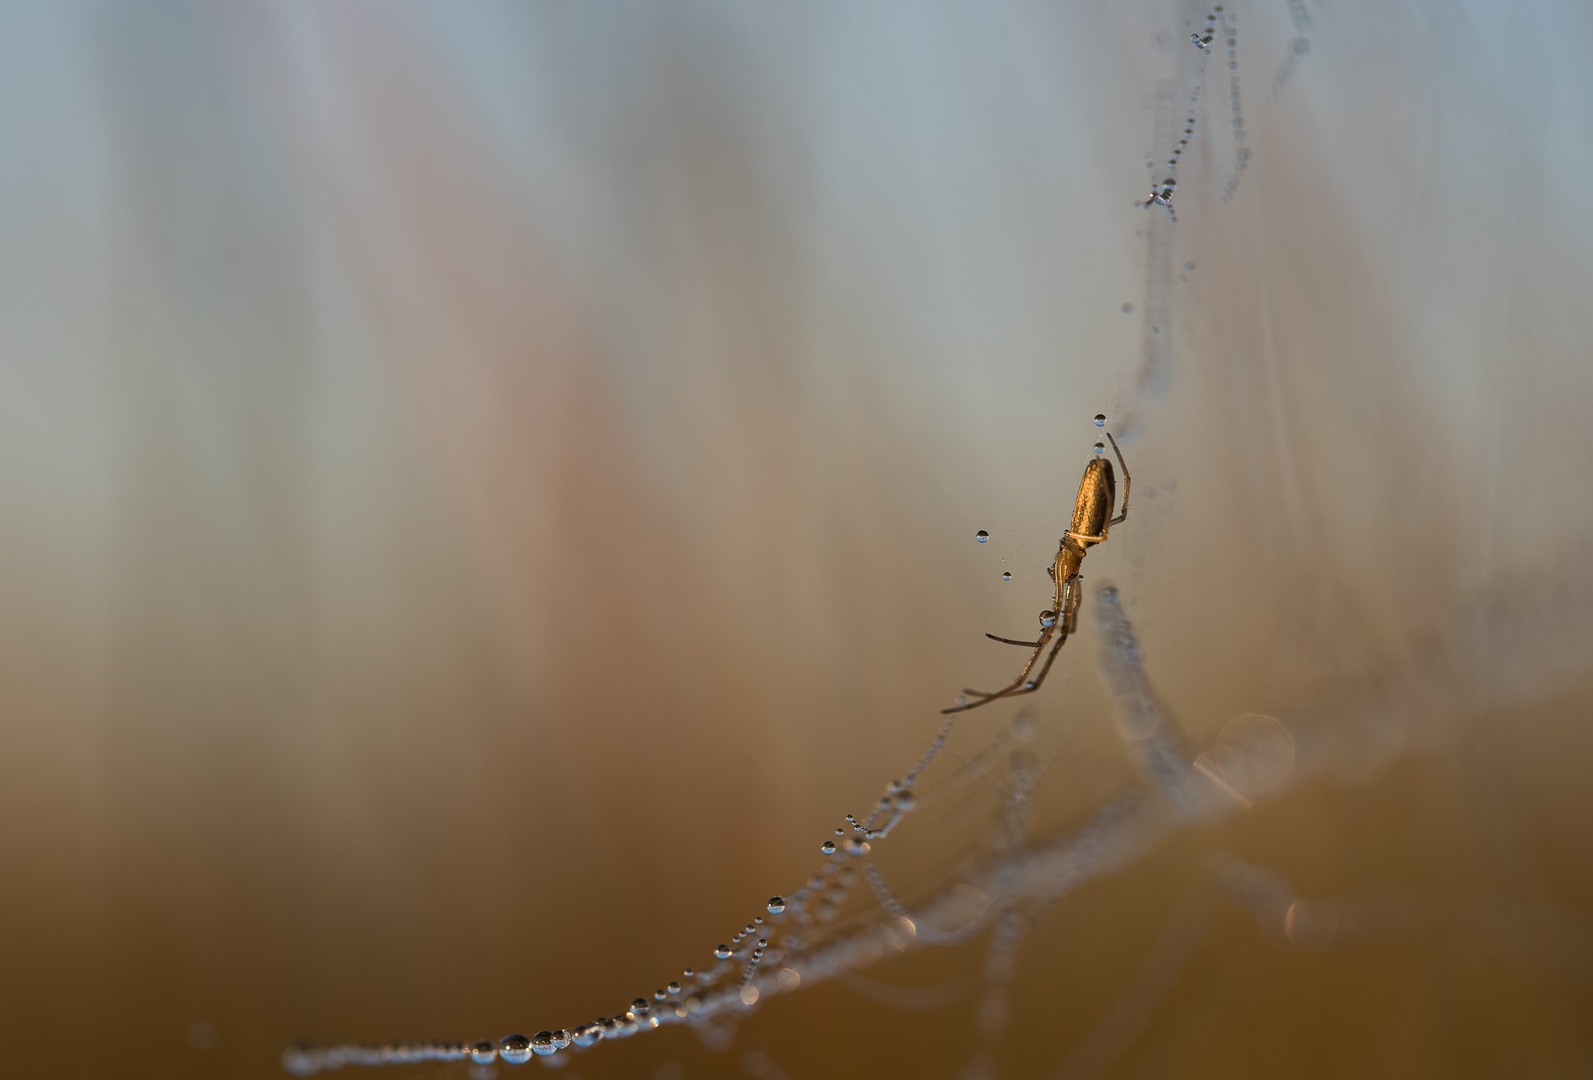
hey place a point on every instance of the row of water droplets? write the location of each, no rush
(1217, 22)
(790, 930)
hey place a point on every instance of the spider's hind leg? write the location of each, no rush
(1009, 641)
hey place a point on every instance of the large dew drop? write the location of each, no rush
(723, 952)
(776, 905)
(515, 1049)
(828, 847)
(982, 536)
(1100, 419)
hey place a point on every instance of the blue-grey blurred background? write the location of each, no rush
(486, 486)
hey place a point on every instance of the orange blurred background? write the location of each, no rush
(488, 486)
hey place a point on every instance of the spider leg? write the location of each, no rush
(1020, 686)
(1128, 482)
(1031, 687)
(1009, 641)
(1017, 684)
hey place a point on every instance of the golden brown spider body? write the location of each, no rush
(1092, 521)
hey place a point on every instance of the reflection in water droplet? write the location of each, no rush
(723, 952)
(776, 905)
(828, 847)
(1100, 419)
(542, 1043)
(982, 536)
(483, 1052)
(1047, 619)
(515, 1049)
(1100, 448)
(1006, 575)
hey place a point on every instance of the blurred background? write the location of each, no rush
(486, 487)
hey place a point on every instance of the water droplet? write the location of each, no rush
(961, 700)
(840, 832)
(1128, 309)
(776, 905)
(639, 1007)
(515, 1049)
(1100, 419)
(483, 1052)
(1006, 575)
(542, 1044)
(828, 847)
(906, 801)
(723, 952)
(1047, 619)
(300, 1060)
(660, 994)
(749, 995)
(982, 536)
(1100, 448)
(688, 973)
(587, 1034)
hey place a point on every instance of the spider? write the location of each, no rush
(1090, 525)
